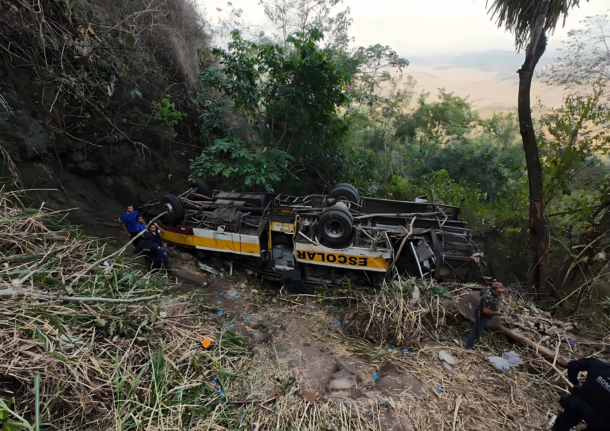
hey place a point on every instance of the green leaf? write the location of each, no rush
(11, 425)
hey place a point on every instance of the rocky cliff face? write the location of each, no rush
(85, 89)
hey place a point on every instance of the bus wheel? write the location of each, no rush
(345, 192)
(335, 226)
(174, 209)
(202, 187)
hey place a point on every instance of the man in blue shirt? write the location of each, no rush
(130, 221)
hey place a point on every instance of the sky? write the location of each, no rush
(426, 28)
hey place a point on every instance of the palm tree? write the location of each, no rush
(530, 21)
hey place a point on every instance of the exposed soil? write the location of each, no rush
(299, 343)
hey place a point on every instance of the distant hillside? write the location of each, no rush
(489, 79)
(505, 63)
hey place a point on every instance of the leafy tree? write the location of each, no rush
(434, 124)
(165, 111)
(576, 136)
(290, 98)
(530, 21)
(301, 16)
(573, 141)
(483, 214)
(585, 57)
(478, 163)
(242, 164)
(502, 128)
(371, 72)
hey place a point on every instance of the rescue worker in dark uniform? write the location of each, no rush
(591, 401)
(154, 255)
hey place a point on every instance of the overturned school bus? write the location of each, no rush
(323, 239)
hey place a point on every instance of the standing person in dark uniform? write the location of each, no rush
(154, 233)
(154, 255)
(130, 222)
(589, 402)
(489, 307)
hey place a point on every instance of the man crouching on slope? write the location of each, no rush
(488, 308)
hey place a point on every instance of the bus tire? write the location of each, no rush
(335, 226)
(348, 185)
(202, 187)
(345, 192)
(174, 209)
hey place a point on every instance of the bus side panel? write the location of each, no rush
(351, 258)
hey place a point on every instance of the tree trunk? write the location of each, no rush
(537, 223)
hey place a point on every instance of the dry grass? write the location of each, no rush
(123, 366)
(397, 314)
(101, 365)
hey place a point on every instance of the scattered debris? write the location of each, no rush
(499, 363)
(310, 396)
(512, 358)
(209, 269)
(444, 356)
(233, 293)
(448, 367)
(206, 342)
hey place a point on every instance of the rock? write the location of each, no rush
(281, 352)
(342, 374)
(355, 393)
(395, 383)
(316, 367)
(185, 257)
(189, 276)
(125, 189)
(387, 369)
(342, 364)
(260, 335)
(340, 384)
(78, 156)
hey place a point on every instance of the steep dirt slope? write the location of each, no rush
(95, 91)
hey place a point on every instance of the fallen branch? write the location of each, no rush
(18, 291)
(539, 349)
